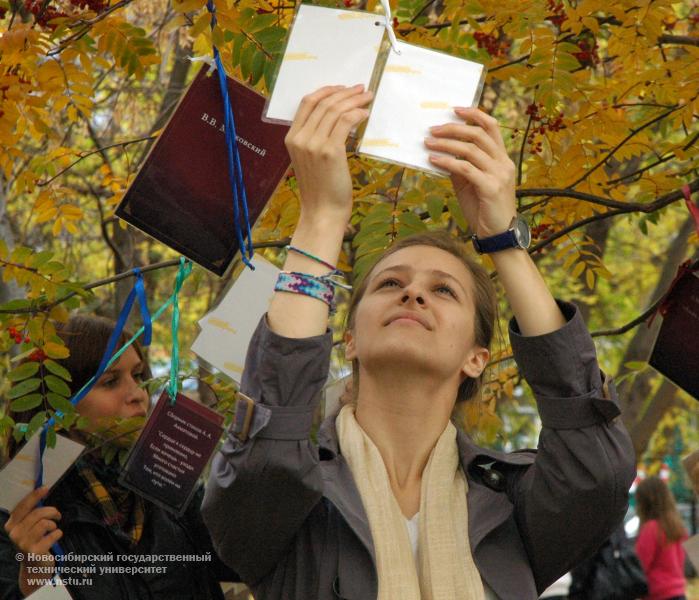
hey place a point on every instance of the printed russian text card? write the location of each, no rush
(172, 452)
(182, 194)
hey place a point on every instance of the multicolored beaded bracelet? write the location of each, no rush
(313, 286)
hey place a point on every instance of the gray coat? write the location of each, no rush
(284, 512)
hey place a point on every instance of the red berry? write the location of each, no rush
(27, 340)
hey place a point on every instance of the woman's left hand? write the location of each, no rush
(482, 173)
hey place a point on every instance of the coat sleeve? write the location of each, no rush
(576, 492)
(9, 567)
(260, 491)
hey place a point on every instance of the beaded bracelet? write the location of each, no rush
(312, 257)
(319, 288)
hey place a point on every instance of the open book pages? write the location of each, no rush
(419, 88)
(326, 46)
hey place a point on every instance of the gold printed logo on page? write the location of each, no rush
(402, 69)
(430, 104)
(346, 16)
(221, 324)
(300, 56)
(235, 367)
(380, 142)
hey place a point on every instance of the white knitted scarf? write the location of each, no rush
(447, 570)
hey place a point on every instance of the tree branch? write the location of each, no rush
(620, 144)
(92, 152)
(683, 40)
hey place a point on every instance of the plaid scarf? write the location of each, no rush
(122, 510)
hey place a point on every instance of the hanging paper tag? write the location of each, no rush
(326, 46)
(419, 89)
(226, 330)
(672, 353)
(171, 453)
(18, 476)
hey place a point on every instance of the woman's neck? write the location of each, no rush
(404, 416)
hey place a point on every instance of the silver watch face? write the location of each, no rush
(522, 232)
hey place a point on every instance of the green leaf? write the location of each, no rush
(457, 214)
(636, 365)
(434, 208)
(51, 437)
(53, 367)
(26, 402)
(37, 421)
(57, 385)
(18, 304)
(24, 371)
(25, 387)
(60, 403)
(258, 66)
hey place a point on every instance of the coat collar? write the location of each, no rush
(487, 508)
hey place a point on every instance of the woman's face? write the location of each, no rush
(117, 392)
(418, 314)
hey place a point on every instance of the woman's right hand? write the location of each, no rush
(316, 143)
(33, 531)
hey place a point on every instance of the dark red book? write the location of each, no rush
(676, 350)
(182, 194)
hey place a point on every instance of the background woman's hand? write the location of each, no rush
(316, 144)
(33, 531)
(482, 173)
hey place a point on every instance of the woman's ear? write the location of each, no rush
(350, 349)
(476, 362)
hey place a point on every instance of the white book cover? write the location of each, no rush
(18, 476)
(326, 46)
(226, 331)
(419, 88)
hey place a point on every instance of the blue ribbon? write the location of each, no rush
(138, 291)
(235, 169)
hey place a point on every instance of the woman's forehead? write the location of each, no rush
(424, 258)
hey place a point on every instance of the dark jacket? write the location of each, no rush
(84, 533)
(286, 514)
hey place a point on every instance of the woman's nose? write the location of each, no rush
(412, 295)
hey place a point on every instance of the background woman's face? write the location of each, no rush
(117, 392)
(418, 313)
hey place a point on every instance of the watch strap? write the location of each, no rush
(495, 243)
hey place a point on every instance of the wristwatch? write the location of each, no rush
(517, 236)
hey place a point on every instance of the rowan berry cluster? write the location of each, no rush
(493, 44)
(16, 335)
(38, 355)
(540, 124)
(587, 56)
(541, 231)
(44, 13)
(557, 15)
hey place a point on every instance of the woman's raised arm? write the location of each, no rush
(483, 176)
(316, 143)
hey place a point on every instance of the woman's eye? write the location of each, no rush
(389, 283)
(445, 289)
(138, 376)
(110, 382)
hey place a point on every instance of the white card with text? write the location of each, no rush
(18, 476)
(326, 46)
(226, 330)
(419, 88)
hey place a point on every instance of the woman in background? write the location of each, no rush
(89, 513)
(659, 543)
